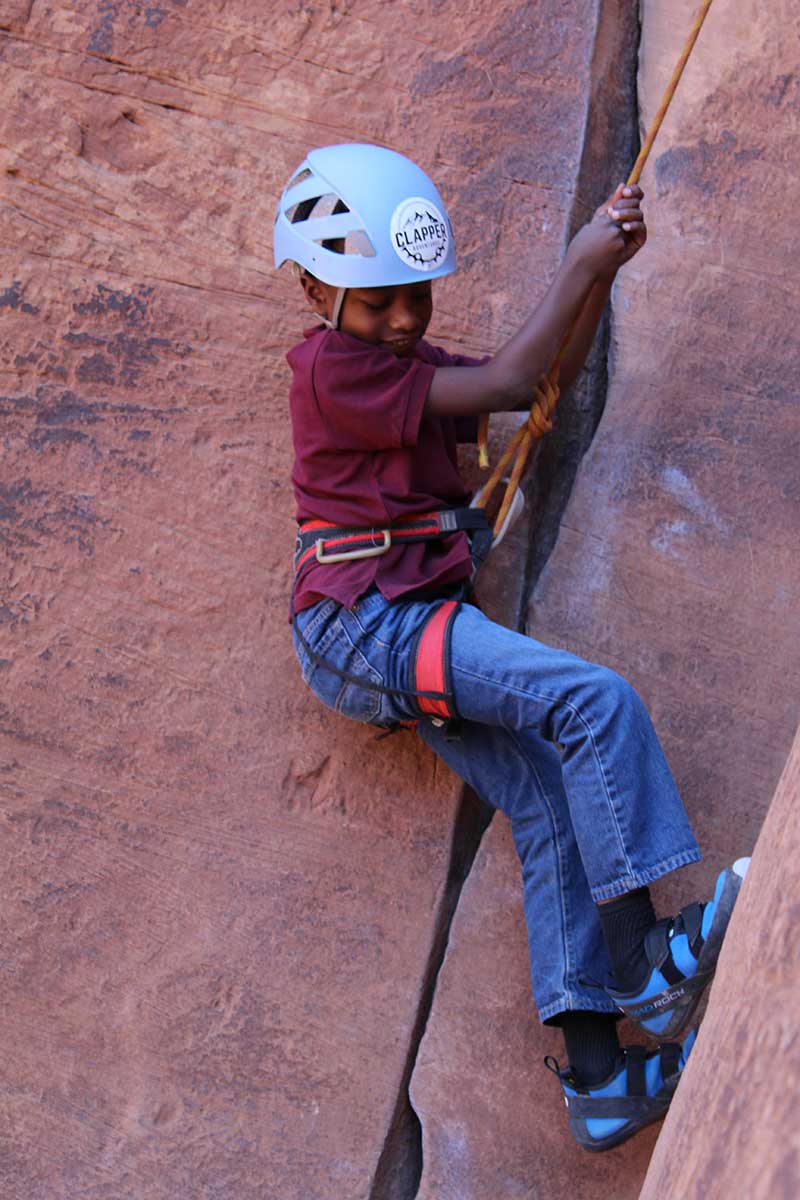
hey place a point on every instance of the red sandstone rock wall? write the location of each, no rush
(219, 902)
(676, 564)
(221, 905)
(733, 1128)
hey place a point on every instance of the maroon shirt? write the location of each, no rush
(365, 454)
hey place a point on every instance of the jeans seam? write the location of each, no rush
(586, 723)
(559, 859)
(368, 603)
(576, 1002)
(327, 639)
(371, 672)
(367, 634)
(606, 784)
(326, 610)
(646, 875)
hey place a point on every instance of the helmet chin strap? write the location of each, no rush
(338, 301)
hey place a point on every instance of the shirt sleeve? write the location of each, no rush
(466, 428)
(440, 358)
(368, 398)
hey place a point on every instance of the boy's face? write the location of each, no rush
(392, 317)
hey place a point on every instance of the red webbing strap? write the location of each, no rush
(430, 667)
(415, 527)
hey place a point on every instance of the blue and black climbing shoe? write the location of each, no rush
(637, 1092)
(681, 955)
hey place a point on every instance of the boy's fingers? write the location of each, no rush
(614, 197)
(624, 195)
(626, 214)
(623, 205)
(633, 226)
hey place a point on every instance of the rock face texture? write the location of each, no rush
(676, 565)
(220, 903)
(223, 907)
(733, 1128)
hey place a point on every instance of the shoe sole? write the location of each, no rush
(663, 1099)
(595, 1146)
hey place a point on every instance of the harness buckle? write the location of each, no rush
(347, 555)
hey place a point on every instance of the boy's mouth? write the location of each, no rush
(401, 345)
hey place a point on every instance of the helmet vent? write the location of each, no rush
(356, 242)
(329, 205)
(300, 177)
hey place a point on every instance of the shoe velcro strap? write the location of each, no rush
(670, 1059)
(635, 1059)
(691, 918)
(628, 1108)
(659, 953)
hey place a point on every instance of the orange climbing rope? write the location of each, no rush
(546, 393)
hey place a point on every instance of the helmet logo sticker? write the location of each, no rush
(419, 234)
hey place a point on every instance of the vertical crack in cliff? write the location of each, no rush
(609, 149)
(399, 1169)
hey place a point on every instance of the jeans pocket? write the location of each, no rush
(353, 698)
(314, 625)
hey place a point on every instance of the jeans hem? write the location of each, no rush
(578, 1002)
(637, 879)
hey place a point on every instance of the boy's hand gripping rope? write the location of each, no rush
(547, 392)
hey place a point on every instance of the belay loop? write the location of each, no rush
(546, 393)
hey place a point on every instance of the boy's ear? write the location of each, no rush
(315, 293)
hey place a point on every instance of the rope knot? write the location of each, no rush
(540, 418)
(538, 422)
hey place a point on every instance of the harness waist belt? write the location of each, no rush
(324, 542)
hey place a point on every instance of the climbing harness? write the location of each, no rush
(546, 393)
(324, 542)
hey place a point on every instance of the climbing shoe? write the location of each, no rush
(682, 955)
(637, 1092)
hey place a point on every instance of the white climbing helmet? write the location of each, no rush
(380, 209)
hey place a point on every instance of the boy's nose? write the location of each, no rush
(403, 318)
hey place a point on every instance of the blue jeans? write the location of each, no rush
(565, 748)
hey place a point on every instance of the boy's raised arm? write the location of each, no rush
(579, 290)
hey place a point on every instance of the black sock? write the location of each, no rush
(592, 1044)
(625, 922)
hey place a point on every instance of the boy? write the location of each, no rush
(564, 747)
